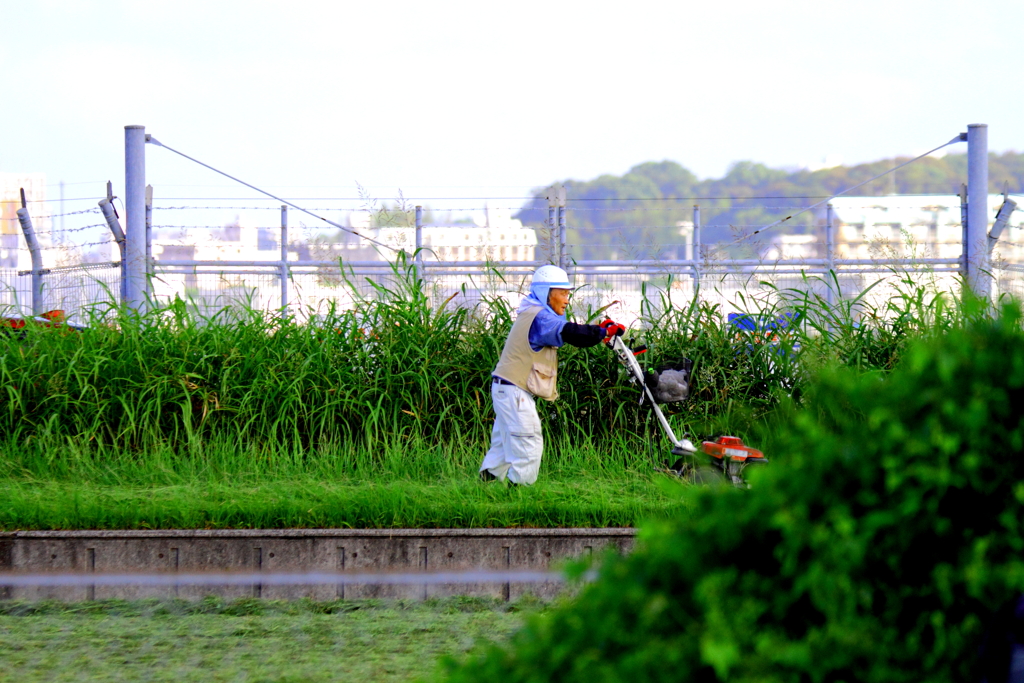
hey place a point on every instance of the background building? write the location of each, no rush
(13, 250)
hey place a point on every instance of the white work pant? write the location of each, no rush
(516, 441)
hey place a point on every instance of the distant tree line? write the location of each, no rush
(638, 212)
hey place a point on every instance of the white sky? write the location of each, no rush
(460, 99)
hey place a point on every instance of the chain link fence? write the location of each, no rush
(277, 268)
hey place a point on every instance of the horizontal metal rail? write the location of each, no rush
(579, 265)
(773, 271)
(71, 269)
(661, 273)
(787, 263)
(275, 272)
(350, 264)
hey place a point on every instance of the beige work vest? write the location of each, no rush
(534, 371)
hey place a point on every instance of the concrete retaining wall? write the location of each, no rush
(296, 550)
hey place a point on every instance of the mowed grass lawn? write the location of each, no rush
(54, 488)
(247, 640)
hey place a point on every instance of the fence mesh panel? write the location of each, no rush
(629, 253)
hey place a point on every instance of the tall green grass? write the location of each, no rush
(397, 369)
(201, 411)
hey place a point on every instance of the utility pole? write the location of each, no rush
(979, 277)
(135, 220)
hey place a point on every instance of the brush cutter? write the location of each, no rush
(727, 455)
(674, 384)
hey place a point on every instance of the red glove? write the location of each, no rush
(611, 329)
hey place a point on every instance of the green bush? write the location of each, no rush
(876, 548)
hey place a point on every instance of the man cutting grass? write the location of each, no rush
(528, 368)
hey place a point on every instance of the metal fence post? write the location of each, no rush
(550, 257)
(418, 267)
(107, 209)
(562, 257)
(149, 239)
(555, 238)
(135, 220)
(38, 305)
(830, 258)
(976, 247)
(963, 231)
(284, 258)
(696, 247)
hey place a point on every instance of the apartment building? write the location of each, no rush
(898, 226)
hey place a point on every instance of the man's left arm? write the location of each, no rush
(551, 330)
(583, 336)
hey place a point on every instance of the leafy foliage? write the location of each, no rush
(740, 198)
(877, 547)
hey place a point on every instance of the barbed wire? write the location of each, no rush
(56, 215)
(918, 207)
(526, 199)
(681, 211)
(818, 242)
(223, 208)
(613, 228)
(433, 209)
(57, 199)
(81, 229)
(960, 137)
(223, 226)
(335, 208)
(635, 247)
(695, 199)
(153, 141)
(217, 227)
(61, 247)
(343, 199)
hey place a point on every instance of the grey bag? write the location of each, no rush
(670, 383)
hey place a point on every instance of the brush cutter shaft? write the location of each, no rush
(636, 372)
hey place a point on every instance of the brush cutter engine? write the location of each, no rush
(731, 457)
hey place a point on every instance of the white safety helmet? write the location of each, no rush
(551, 277)
(547, 278)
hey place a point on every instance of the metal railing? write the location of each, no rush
(305, 287)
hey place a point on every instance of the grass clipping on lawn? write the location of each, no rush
(248, 639)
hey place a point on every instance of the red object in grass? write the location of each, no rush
(732, 448)
(54, 318)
